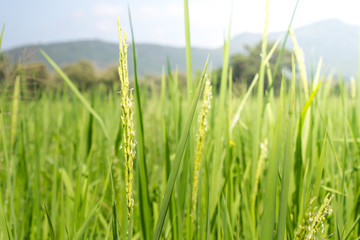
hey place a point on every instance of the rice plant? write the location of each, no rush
(256, 165)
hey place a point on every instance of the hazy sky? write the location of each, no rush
(158, 21)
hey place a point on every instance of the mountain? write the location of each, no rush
(150, 57)
(335, 41)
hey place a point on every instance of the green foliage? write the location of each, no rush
(3, 68)
(51, 145)
(36, 76)
(246, 65)
(109, 76)
(82, 73)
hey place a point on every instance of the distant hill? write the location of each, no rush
(335, 41)
(150, 57)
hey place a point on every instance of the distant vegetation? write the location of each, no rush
(86, 75)
(245, 65)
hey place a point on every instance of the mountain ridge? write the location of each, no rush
(332, 39)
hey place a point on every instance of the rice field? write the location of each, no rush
(205, 162)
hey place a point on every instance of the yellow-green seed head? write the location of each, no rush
(314, 219)
(200, 141)
(127, 117)
(262, 157)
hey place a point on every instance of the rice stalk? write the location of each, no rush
(144, 201)
(1, 36)
(188, 50)
(299, 54)
(313, 221)
(259, 170)
(127, 119)
(15, 111)
(200, 142)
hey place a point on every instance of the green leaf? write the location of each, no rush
(177, 161)
(15, 111)
(288, 162)
(3, 221)
(218, 160)
(67, 182)
(52, 232)
(242, 104)
(115, 224)
(298, 166)
(94, 212)
(146, 219)
(268, 218)
(173, 215)
(352, 227)
(77, 93)
(319, 168)
(188, 49)
(277, 63)
(1, 36)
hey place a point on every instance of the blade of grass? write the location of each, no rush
(340, 217)
(288, 161)
(7, 161)
(317, 74)
(15, 111)
(352, 227)
(271, 52)
(277, 63)
(299, 54)
(218, 160)
(268, 218)
(188, 50)
(298, 166)
(90, 132)
(257, 126)
(1, 36)
(242, 104)
(173, 215)
(3, 221)
(207, 199)
(319, 168)
(12, 168)
(177, 161)
(227, 228)
(115, 224)
(89, 219)
(144, 199)
(52, 232)
(77, 93)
